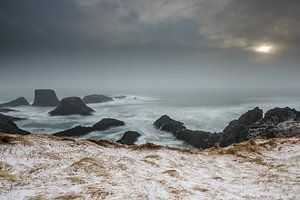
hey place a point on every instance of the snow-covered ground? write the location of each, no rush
(45, 167)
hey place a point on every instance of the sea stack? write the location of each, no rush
(21, 101)
(71, 106)
(45, 98)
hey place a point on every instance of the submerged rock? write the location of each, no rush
(107, 123)
(8, 126)
(120, 97)
(21, 101)
(129, 137)
(71, 106)
(168, 124)
(75, 132)
(6, 110)
(45, 98)
(96, 98)
(11, 118)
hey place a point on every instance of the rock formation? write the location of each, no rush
(11, 118)
(21, 101)
(8, 126)
(75, 132)
(129, 137)
(45, 98)
(6, 110)
(276, 122)
(96, 98)
(107, 123)
(165, 123)
(71, 106)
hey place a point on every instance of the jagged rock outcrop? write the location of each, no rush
(11, 118)
(200, 139)
(45, 98)
(129, 137)
(165, 123)
(96, 98)
(21, 101)
(6, 110)
(278, 115)
(71, 106)
(8, 126)
(75, 132)
(277, 122)
(238, 130)
(107, 123)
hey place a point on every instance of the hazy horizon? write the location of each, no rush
(121, 46)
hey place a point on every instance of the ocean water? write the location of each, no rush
(208, 112)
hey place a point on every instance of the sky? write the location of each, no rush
(149, 44)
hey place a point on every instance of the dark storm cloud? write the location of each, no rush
(201, 42)
(218, 23)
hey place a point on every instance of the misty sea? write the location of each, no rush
(198, 111)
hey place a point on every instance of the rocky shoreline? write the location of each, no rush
(275, 122)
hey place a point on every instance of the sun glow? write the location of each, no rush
(264, 49)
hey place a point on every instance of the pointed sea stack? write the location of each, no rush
(71, 106)
(45, 98)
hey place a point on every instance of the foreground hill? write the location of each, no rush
(39, 166)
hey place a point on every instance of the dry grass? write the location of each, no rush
(68, 196)
(172, 172)
(197, 187)
(96, 193)
(38, 197)
(154, 156)
(7, 176)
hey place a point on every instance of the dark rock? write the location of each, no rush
(75, 132)
(11, 118)
(45, 98)
(277, 122)
(278, 115)
(8, 126)
(107, 123)
(6, 110)
(129, 137)
(200, 139)
(71, 106)
(238, 130)
(120, 97)
(96, 98)
(21, 101)
(168, 124)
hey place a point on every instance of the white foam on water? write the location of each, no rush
(139, 113)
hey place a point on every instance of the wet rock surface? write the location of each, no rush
(45, 98)
(21, 101)
(107, 123)
(129, 137)
(96, 98)
(276, 122)
(8, 126)
(75, 132)
(71, 106)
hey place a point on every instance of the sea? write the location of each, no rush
(198, 110)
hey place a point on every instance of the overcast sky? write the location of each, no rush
(149, 44)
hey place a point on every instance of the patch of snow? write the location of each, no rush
(48, 167)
